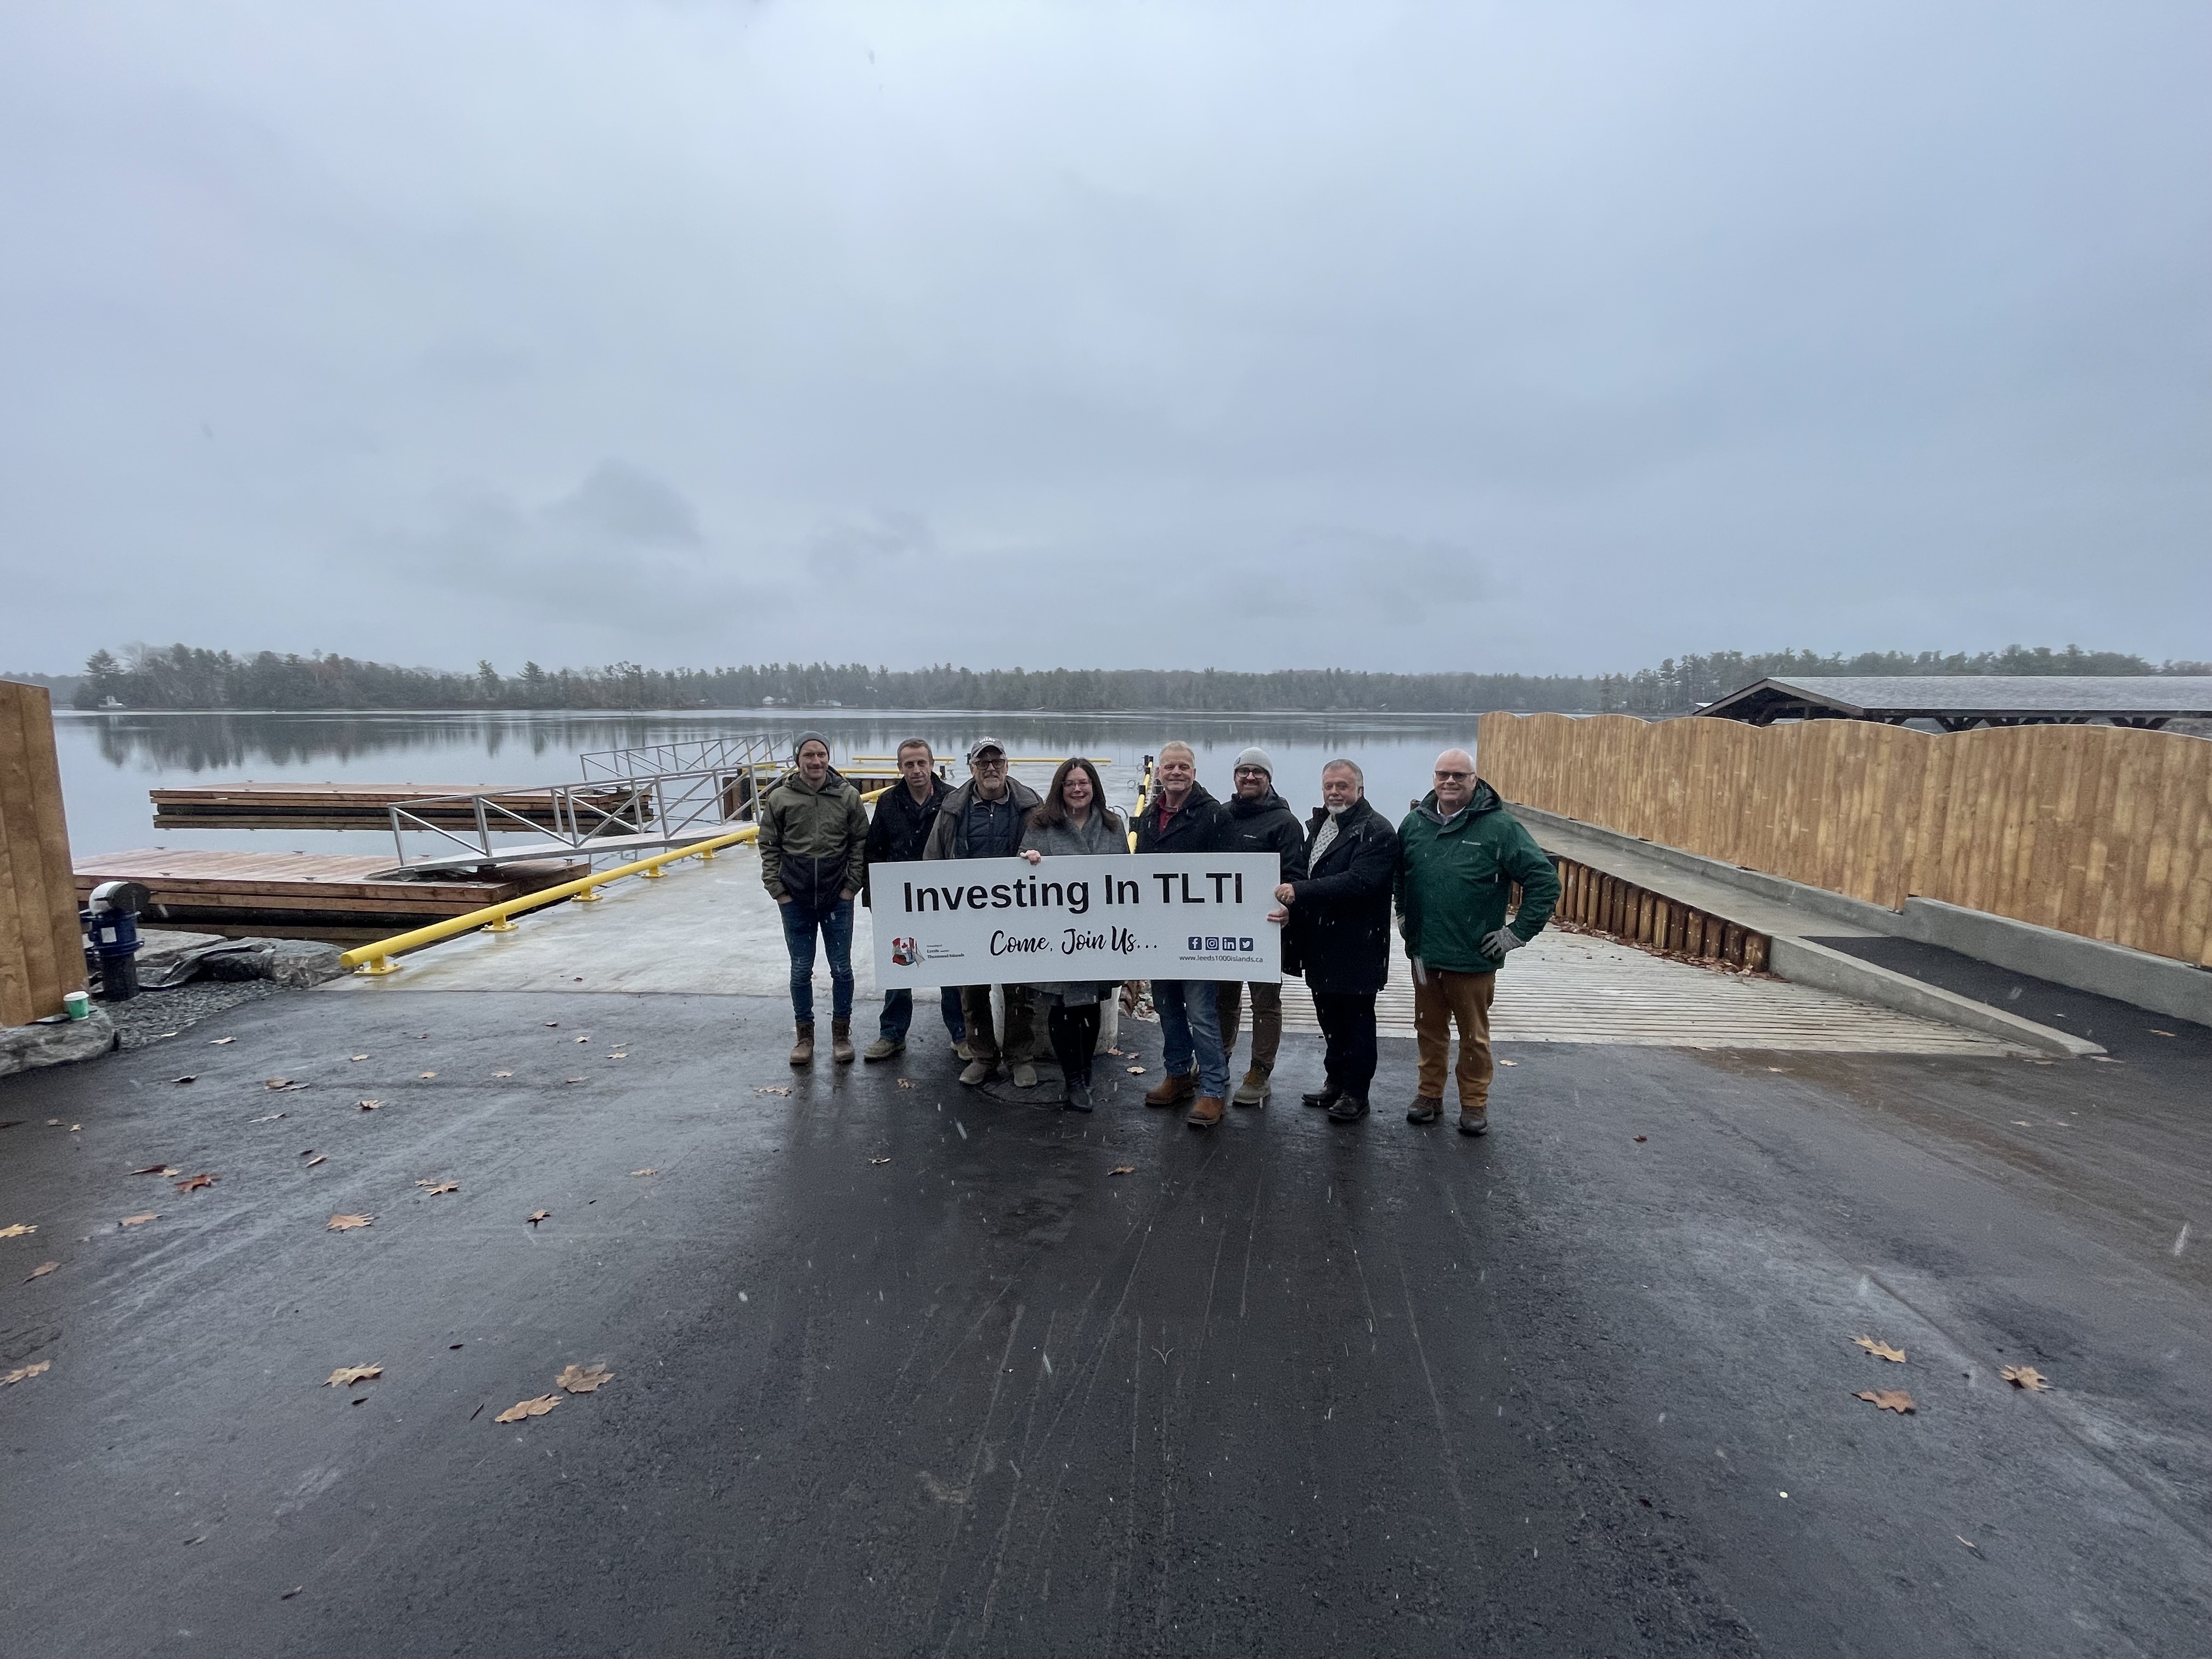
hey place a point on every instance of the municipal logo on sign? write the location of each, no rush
(905, 953)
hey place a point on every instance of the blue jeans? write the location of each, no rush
(898, 1014)
(834, 922)
(1191, 1019)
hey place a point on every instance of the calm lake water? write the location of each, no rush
(110, 761)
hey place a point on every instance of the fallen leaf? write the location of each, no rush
(356, 1056)
(502, 1075)
(346, 1375)
(1508, 1063)
(156, 1168)
(319, 1158)
(2025, 1376)
(618, 1055)
(24, 1373)
(1887, 1399)
(1880, 1350)
(537, 1216)
(582, 1379)
(17, 1229)
(572, 1080)
(41, 1270)
(434, 1187)
(189, 1079)
(369, 1105)
(271, 1118)
(906, 1083)
(2154, 1031)
(139, 1220)
(522, 1408)
(1136, 1071)
(74, 1128)
(429, 1074)
(2106, 1060)
(771, 1088)
(551, 1025)
(295, 1589)
(583, 1039)
(879, 1160)
(163, 1034)
(1641, 1138)
(644, 1172)
(193, 1183)
(346, 1224)
(217, 1042)
(277, 1083)
(1967, 1542)
(1122, 1168)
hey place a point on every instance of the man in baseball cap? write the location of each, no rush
(983, 820)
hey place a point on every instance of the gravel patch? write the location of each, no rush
(146, 1018)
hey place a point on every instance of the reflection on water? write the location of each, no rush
(110, 760)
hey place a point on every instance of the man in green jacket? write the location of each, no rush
(1458, 853)
(813, 853)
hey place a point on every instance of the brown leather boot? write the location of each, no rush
(1172, 1088)
(802, 1052)
(841, 1041)
(1475, 1120)
(1205, 1112)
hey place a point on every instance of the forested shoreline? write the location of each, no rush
(182, 676)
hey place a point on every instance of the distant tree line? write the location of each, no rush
(188, 677)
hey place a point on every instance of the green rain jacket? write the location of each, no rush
(813, 842)
(1453, 876)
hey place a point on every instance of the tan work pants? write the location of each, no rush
(1443, 998)
(1266, 1019)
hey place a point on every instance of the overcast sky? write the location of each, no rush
(1551, 337)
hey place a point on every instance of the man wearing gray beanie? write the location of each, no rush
(1258, 820)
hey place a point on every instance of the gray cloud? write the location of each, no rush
(1374, 336)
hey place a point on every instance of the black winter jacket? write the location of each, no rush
(1340, 927)
(899, 827)
(1196, 826)
(1265, 825)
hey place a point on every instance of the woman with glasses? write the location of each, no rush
(1073, 818)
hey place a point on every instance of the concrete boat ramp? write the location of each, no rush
(901, 1368)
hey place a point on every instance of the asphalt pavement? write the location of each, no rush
(900, 1368)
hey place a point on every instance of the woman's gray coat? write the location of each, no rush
(1104, 833)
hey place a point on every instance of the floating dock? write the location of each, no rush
(348, 805)
(308, 895)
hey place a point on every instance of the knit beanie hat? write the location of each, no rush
(1258, 758)
(805, 738)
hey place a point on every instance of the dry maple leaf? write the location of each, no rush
(41, 1270)
(184, 1079)
(319, 1158)
(18, 1228)
(356, 1056)
(522, 1408)
(430, 1074)
(369, 1105)
(618, 1055)
(1122, 1168)
(1880, 1350)
(193, 1183)
(648, 1170)
(502, 1075)
(1136, 1071)
(277, 1083)
(906, 1083)
(537, 1216)
(139, 1220)
(879, 1160)
(346, 1224)
(2025, 1376)
(434, 1187)
(346, 1375)
(582, 1379)
(24, 1373)
(1887, 1399)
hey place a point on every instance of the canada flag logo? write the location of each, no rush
(905, 953)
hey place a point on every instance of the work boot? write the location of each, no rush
(1172, 1088)
(1349, 1108)
(961, 1051)
(1205, 1112)
(978, 1073)
(802, 1052)
(881, 1048)
(841, 1041)
(1023, 1074)
(1425, 1108)
(1079, 1096)
(1475, 1120)
(1253, 1091)
(1328, 1097)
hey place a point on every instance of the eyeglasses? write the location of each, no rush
(1452, 777)
(1252, 772)
(989, 763)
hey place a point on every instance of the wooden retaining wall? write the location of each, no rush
(41, 950)
(2099, 831)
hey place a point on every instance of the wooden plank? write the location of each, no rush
(41, 958)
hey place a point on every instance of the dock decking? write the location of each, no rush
(247, 805)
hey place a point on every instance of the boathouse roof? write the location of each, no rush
(1961, 701)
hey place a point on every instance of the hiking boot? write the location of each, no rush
(1171, 1088)
(881, 1048)
(1024, 1075)
(802, 1052)
(1253, 1091)
(978, 1071)
(1328, 1097)
(1349, 1108)
(1078, 1097)
(1205, 1112)
(961, 1051)
(1425, 1108)
(1475, 1121)
(841, 1041)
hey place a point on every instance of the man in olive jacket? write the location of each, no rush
(1338, 934)
(813, 851)
(1258, 820)
(1459, 851)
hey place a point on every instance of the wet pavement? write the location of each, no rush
(907, 1369)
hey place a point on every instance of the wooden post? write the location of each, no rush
(41, 948)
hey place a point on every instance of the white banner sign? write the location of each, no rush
(1006, 922)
